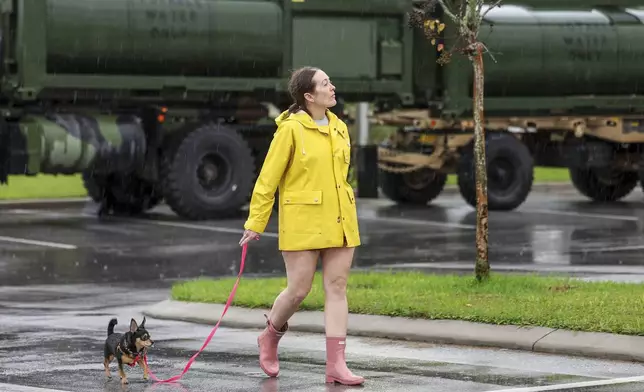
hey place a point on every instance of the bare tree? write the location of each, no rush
(466, 15)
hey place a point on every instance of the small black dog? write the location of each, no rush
(128, 348)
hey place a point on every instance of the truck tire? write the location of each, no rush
(509, 170)
(128, 195)
(214, 151)
(94, 191)
(418, 187)
(605, 186)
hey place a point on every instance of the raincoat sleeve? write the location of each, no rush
(277, 159)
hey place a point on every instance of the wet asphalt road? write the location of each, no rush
(64, 274)
(562, 233)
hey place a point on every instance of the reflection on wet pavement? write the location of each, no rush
(545, 233)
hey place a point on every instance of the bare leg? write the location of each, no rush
(337, 264)
(300, 269)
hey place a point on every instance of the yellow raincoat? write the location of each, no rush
(310, 164)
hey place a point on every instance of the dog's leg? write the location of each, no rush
(106, 363)
(121, 372)
(145, 368)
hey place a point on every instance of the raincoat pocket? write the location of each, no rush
(303, 212)
(302, 197)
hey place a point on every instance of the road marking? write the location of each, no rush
(201, 227)
(39, 243)
(582, 214)
(21, 388)
(582, 384)
(142, 221)
(416, 222)
(613, 249)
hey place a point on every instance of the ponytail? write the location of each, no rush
(293, 108)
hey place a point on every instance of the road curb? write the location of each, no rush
(75, 201)
(537, 339)
(45, 203)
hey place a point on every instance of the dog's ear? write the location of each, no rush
(143, 322)
(133, 326)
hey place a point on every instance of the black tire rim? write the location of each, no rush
(419, 179)
(502, 175)
(214, 173)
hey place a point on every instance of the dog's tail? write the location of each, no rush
(110, 326)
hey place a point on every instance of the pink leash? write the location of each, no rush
(212, 333)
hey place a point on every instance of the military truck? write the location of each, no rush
(174, 100)
(565, 89)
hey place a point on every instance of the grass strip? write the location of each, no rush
(541, 175)
(526, 300)
(43, 187)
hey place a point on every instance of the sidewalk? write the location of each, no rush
(538, 339)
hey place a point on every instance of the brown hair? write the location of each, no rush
(301, 82)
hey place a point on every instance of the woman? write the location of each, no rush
(308, 160)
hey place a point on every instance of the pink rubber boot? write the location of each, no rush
(336, 367)
(267, 343)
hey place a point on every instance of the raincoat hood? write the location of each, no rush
(304, 119)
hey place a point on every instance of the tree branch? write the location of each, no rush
(488, 51)
(497, 4)
(448, 12)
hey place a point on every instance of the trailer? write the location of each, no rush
(166, 100)
(566, 90)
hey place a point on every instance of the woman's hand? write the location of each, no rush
(248, 235)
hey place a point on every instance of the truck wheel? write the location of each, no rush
(416, 187)
(126, 194)
(94, 191)
(603, 185)
(509, 171)
(209, 175)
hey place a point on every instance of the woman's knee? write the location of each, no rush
(299, 292)
(300, 267)
(335, 286)
(337, 264)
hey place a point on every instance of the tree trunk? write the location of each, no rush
(482, 268)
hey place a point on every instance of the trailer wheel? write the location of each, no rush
(603, 184)
(509, 171)
(209, 175)
(127, 194)
(418, 187)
